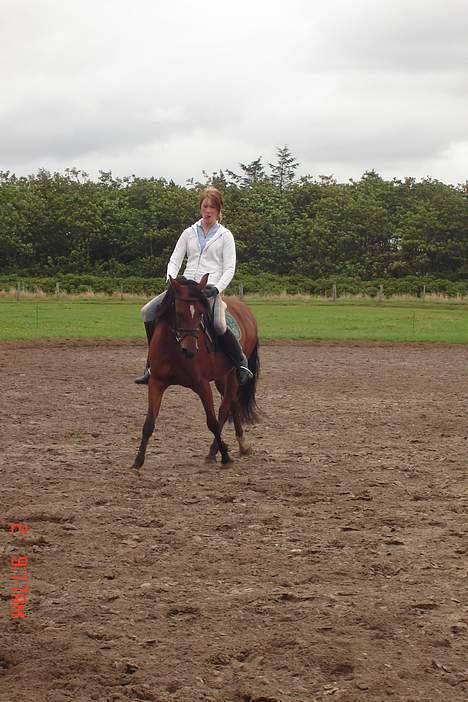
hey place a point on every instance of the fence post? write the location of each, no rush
(18, 287)
(380, 293)
(424, 294)
(57, 289)
(121, 292)
(334, 292)
(241, 291)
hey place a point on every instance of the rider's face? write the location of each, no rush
(209, 211)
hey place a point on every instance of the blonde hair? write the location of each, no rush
(216, 199)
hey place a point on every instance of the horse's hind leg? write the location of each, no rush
(155, 393)
(244, 448)
(228, 390)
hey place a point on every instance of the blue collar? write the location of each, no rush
(204, 238)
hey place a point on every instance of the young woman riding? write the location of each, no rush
(209, 248)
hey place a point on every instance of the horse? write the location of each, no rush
(183, 352)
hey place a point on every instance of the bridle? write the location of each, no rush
(181, 333)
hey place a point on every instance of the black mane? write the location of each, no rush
(166, 307)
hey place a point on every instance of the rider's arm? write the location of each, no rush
(178, 255)
(229, 261)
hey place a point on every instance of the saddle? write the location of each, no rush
(211, 338)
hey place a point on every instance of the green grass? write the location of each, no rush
(277, 319)
(370, 321)
(69, 320)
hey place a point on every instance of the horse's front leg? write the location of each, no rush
(155, 393)
(206, 397)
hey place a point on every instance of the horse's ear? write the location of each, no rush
(175, 284)
(203, 282)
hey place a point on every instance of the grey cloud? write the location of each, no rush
(353, 85)
(62, 130)
(71, 128)
(373, 148)
(411, 37)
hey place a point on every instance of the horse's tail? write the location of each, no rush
(246, 395)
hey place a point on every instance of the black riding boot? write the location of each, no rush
(233, 349)
(144, 379)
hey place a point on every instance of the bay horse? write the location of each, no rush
(182, 352)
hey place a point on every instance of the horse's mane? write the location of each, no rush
(166, 307)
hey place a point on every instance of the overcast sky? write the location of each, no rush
(171, 88)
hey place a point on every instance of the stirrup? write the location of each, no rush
(244, 374)
(143, 379)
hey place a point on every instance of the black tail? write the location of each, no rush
(246, 394)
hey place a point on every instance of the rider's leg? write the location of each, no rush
(229, 342)
(148, 312)
(144, 379)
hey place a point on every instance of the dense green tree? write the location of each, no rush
(252, 173)
(316, 227)
(282, 172)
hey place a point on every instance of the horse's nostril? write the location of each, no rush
(188, 352)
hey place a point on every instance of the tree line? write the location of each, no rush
(315, 227)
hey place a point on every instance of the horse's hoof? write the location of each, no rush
(137, 463)
(226, 459)
(210, 459)
(246, 451)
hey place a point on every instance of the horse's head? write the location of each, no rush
(190, 306)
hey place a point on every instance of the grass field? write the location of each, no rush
(277, 318)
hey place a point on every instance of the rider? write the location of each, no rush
(209, 248)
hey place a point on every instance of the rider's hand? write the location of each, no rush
(211, 291)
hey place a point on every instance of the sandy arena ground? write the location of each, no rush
(331, 565)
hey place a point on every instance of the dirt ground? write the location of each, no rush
(329, 565)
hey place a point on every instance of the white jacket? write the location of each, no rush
(218, 258)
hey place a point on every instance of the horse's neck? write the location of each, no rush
(164, 329)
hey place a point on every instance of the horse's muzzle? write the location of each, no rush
(189, 347)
